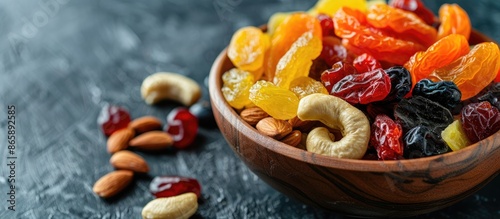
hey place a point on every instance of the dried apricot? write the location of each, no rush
(453, 19)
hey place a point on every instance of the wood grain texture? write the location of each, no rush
(357, 187)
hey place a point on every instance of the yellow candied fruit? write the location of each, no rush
(275, 20)
(248, 47)
(330, 7)
(278, 102)
(298, 60)
(304, 86)
(236, 87)
(454, 136)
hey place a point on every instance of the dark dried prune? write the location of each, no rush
(421, 141)
(400, 83)
(422, 111)
(445, 93)
(480, 120)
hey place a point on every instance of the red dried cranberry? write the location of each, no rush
(326, 23)
(366, 63)
(386, 138)
(183, 126)
(113, 118)
(339, 70)
(417, 7)
(168, 186)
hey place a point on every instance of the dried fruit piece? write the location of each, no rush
(119, 140)
(421, 111)
(404, 23)
(454, 19)
(363, 88)
(152, 141)
(182, 126)
(112, 183)
(247, 49)
(275, 20)
(333, 51)
(365, 63)
(274, 128)
(454, 136)
(472, 72)
(386, 138)
(440, 54)
(168, 186)
(326, 23)
(278, 102)
(359, 37)
(289, 31)
(126, 160)
(480, 120)
(203, 111)
(145, 124)
(331, 6)
(113, 118)
(445, 93)
(236, 87)
(417, 7)
(400, 83)
(298, 60)
(303, 86)
(179, 207)
(421, 141)
(338, 71)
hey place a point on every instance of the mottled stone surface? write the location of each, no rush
(61, 60)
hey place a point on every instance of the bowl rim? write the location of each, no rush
(416, 164)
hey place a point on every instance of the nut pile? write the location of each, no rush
(358, 79)
(176, 197)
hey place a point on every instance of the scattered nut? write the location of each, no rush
(274, 128)
(253, 115)
(337, 114)
(303, 126)
(293, 139)
(179, 207)
(112, 183)
(126, 160)
(152, 141)
(145, 124)
(170, 86)
(119, 140)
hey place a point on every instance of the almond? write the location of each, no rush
(274, 128)
(303, 126)
(126, 160)
(151, 141)
(112, 183)
(119, 140)
(253, 115)
(293, 138)
(145, 124)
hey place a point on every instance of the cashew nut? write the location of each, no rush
(336, 114)
(170, 86)
(179, 207)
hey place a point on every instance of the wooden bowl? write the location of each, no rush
(357, 187)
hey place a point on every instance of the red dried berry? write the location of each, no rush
(417, 7)
(113, 118)
(365, 63)
(386, 138)
(326, 23)
(168, 186)
(183, 126)
(480, 120)
(363, 88)
(338, 71)
(333, 51)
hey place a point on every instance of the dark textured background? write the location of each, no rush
(61, 60)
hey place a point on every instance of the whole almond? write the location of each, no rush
(126, 160)
(112, 183)
(293, 138)
(152, 141)
(253, 115)
(119, 140)
(274, 128)
(303, 126)
(145, 124)
(179, 207)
